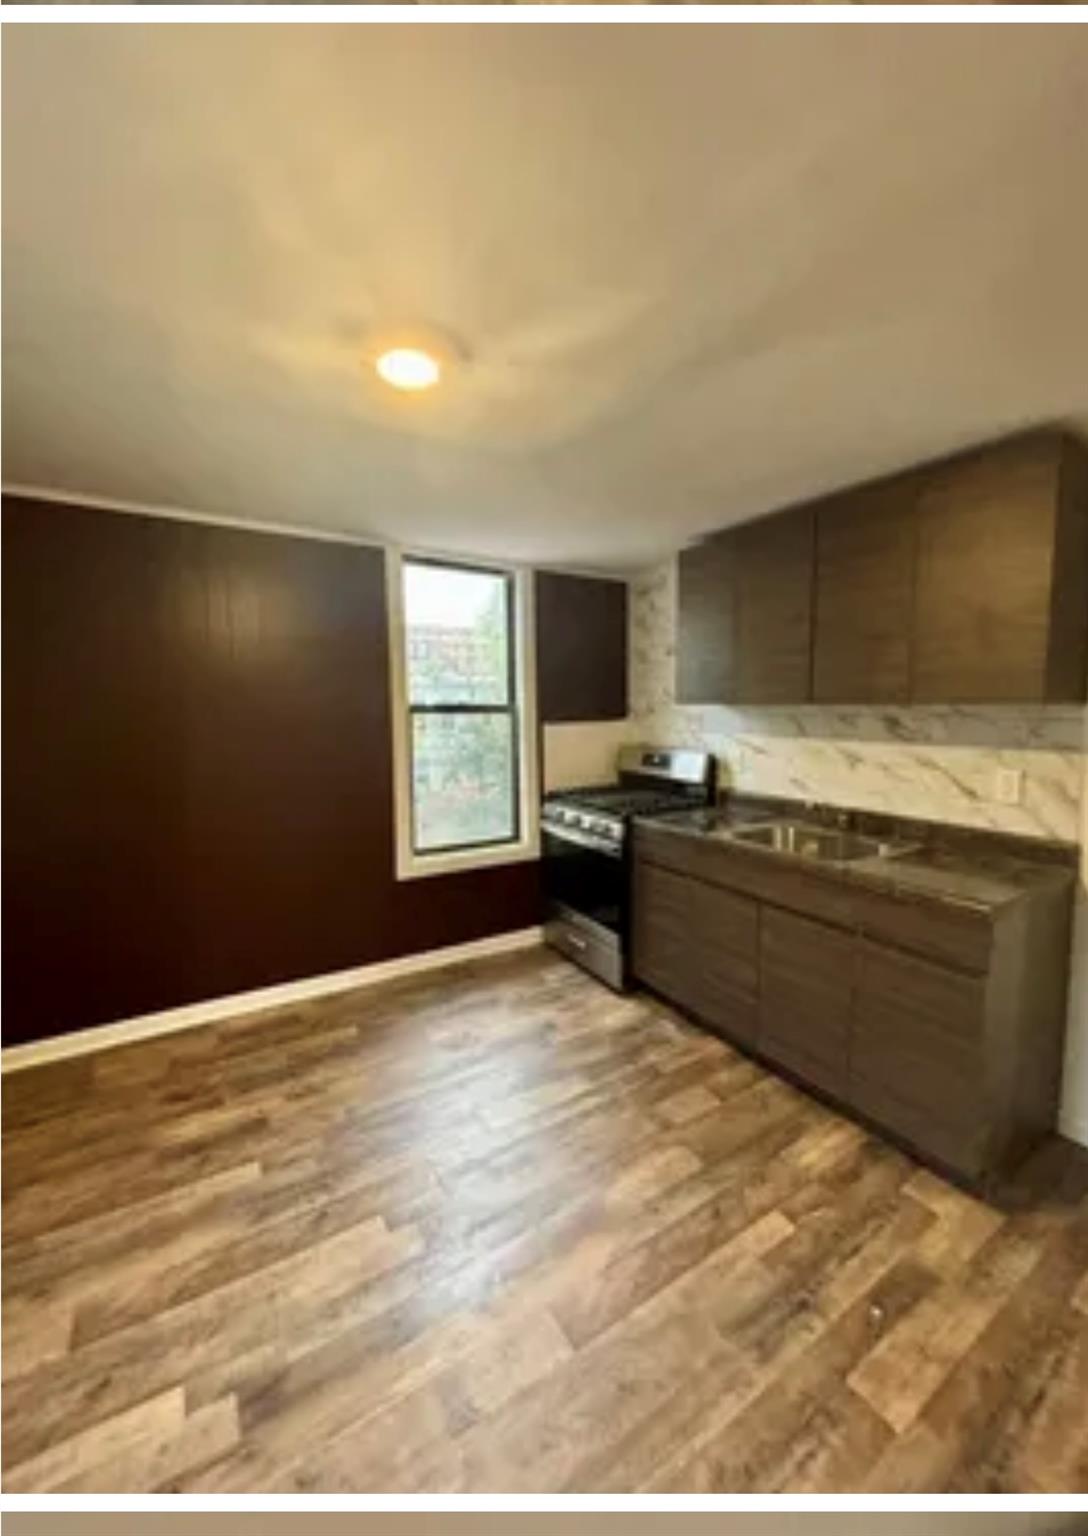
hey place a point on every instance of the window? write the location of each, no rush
(463, 771)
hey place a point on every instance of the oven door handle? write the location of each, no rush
(585, 840)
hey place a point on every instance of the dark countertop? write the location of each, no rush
(980, 870)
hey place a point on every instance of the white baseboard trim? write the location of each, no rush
(1074, 1128)
(102, 1037)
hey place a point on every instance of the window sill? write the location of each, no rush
(418, 866)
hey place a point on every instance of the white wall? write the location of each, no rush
(936, 764)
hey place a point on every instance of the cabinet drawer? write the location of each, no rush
(697, 945)
(916, 1053)
(683, 853)
(748, 872)
(960, 935)
(788, 886)
(806, 997)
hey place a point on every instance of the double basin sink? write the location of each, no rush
(802, 840)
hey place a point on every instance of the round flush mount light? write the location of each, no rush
(413, 359)
(409, 368)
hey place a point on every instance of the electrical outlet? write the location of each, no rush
(1008, 786)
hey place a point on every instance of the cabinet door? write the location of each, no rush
(1067, 677)
(916, 1054)
(581, 647)
(865, 543)
(744, 614)
(773, 569)
(698, 946)
(806, 997)
(706, 623)
(986, 539)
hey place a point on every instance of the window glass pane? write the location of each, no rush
(462, 780)
(456, 635)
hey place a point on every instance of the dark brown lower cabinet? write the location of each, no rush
(940, 1023)
(917, 1060)
(698, 944)
(806, 997)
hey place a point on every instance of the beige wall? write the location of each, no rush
(583, 752)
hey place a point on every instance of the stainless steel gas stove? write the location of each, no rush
(586, 837)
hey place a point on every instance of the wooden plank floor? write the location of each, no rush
(495, 1230)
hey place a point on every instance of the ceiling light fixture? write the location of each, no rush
(414, 356)
(408, 368)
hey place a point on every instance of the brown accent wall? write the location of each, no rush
(197, 776)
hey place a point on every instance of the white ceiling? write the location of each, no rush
(700, 269)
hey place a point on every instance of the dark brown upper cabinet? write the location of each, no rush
(964, 581)
(706, 648)
(745, 614)
(774, 608)
(581, 647)
(1001, 596)
(864, 596)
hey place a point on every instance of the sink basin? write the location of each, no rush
(802, 841)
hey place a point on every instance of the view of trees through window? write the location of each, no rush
(458, 627)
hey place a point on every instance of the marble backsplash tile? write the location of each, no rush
(936, 763)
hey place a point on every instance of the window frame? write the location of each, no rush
(413, 863)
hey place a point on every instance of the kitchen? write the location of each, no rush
(545, 775)
(950, 585)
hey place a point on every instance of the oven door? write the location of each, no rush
(586, 878)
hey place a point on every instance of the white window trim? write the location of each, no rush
(411, 865)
